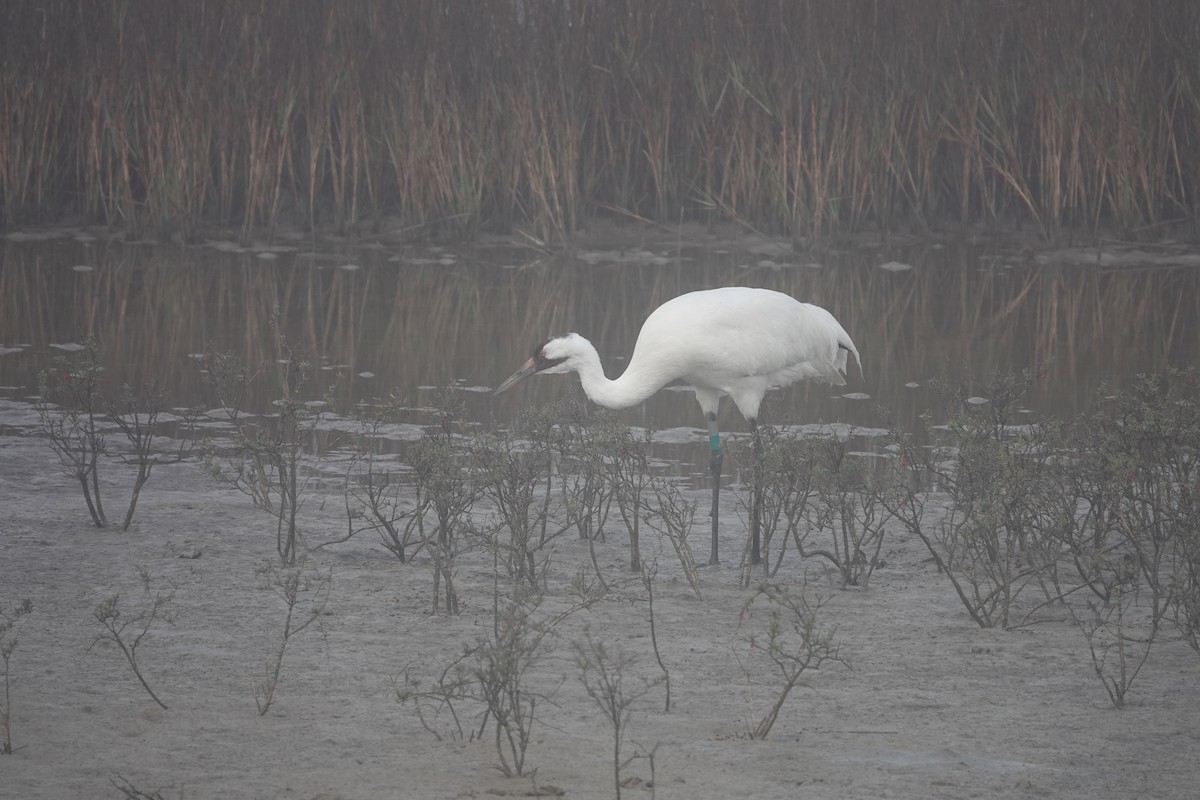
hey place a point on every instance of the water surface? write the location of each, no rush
(380, 319)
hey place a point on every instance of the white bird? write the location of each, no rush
(732, 341)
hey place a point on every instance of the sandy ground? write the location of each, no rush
(930, 706)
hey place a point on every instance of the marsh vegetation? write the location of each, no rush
(801, 119)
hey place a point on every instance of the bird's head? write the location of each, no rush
(556, 355)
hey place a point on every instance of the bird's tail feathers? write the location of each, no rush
(847, 346)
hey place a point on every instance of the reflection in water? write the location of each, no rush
(408, 320)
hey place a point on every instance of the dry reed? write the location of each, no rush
(802, 118)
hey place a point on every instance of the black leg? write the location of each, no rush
(714, 464)
(756, 497)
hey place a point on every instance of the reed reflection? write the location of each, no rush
(379, 321)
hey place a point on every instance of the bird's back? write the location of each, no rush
(741, 341)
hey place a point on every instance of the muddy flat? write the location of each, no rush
(928, 705)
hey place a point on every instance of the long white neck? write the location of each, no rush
(633, 387)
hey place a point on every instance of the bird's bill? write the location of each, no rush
(524, 372)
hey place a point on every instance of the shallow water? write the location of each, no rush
(381, 318)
